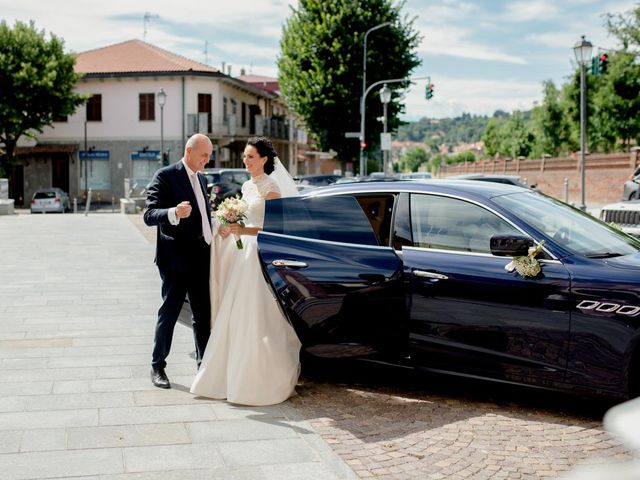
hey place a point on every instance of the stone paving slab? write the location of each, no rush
(78, 302)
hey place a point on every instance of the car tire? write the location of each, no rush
(634, 195)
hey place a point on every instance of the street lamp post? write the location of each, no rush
(363, 169)
(385, 98)
(582, 51)
(162, 98)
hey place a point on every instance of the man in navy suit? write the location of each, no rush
(177, 204)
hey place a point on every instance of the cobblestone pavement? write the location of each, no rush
(464, 431)
(387, 424)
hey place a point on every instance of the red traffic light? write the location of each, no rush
(363, 145)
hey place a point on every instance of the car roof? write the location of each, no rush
(49, 189)
(219, 170)
(471, 176)
(444, 186)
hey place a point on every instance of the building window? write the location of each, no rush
(94, 108)
(147, 104)
(225, 110)
(204, 106)
(244, 114)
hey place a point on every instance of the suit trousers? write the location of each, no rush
(176, 286)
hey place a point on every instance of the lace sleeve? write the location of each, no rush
(266, 185)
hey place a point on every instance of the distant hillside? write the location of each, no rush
(466, 128)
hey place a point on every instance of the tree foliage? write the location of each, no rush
(320, 66)
(36, 85)
(412, 160)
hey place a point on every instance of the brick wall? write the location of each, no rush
(605, 174)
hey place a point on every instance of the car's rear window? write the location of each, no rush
(40, 195)
(336, 219)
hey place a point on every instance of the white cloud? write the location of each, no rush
(454, 96)
(452, 41)
(525, 11)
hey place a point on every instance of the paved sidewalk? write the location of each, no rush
(78, 297)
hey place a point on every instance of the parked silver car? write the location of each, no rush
(50, 200)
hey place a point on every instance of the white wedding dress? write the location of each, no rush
(252, 357)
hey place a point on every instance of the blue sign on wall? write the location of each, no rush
(94, 154)
(148, 155)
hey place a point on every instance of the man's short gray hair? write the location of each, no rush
(194, 140)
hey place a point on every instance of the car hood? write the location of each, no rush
(631, 205)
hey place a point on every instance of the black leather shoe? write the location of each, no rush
(159, 378)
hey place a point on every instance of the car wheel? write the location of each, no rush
(634, 195)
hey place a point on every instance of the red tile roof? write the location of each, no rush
(268, 84)
(136, 56)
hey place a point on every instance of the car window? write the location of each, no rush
(40, 195)
(336, 219)
(379, 210)
(454, 224)
(212, 177)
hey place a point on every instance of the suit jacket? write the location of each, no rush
(176, 246)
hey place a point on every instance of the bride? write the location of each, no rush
(252, 357)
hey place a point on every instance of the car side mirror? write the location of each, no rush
(510, 244)
(636, 179)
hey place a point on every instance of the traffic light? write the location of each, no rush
(595, 65)
(428, 91)
(603, 63)
(363, 145)
(165, 159)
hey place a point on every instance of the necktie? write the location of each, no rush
(197, 190)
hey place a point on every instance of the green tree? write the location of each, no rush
(320, 66)
(548, 123)
(617, 104)
(413, 159)
(491, 136)
(516, 138)
(36, 85)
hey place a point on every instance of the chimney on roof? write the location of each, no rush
(229, 70)
(243, 72)
(223, 67)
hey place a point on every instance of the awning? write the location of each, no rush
(52, 148)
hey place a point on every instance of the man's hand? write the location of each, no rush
(183, 209)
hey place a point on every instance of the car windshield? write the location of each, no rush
(574, 230)
(49, 194)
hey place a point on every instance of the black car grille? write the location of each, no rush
(622, 217)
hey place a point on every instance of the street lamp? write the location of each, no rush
(582, 51)
(162, 99)
(385, 98)
(363, 169)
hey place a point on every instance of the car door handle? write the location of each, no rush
(289, 263)
(423, 274)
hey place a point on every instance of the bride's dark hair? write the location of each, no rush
(265, 149)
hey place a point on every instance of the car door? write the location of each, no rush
(340, 289)
(467, 314)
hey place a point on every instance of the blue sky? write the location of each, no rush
(481, 55)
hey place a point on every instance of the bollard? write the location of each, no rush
(75, 205)
(113, 204)
(88, 204)
(565, 188)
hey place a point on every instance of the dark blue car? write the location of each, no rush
(413, 273)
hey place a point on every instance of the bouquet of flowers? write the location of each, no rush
(526, 265)
(232, 210)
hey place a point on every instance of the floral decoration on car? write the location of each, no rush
(526, 265)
